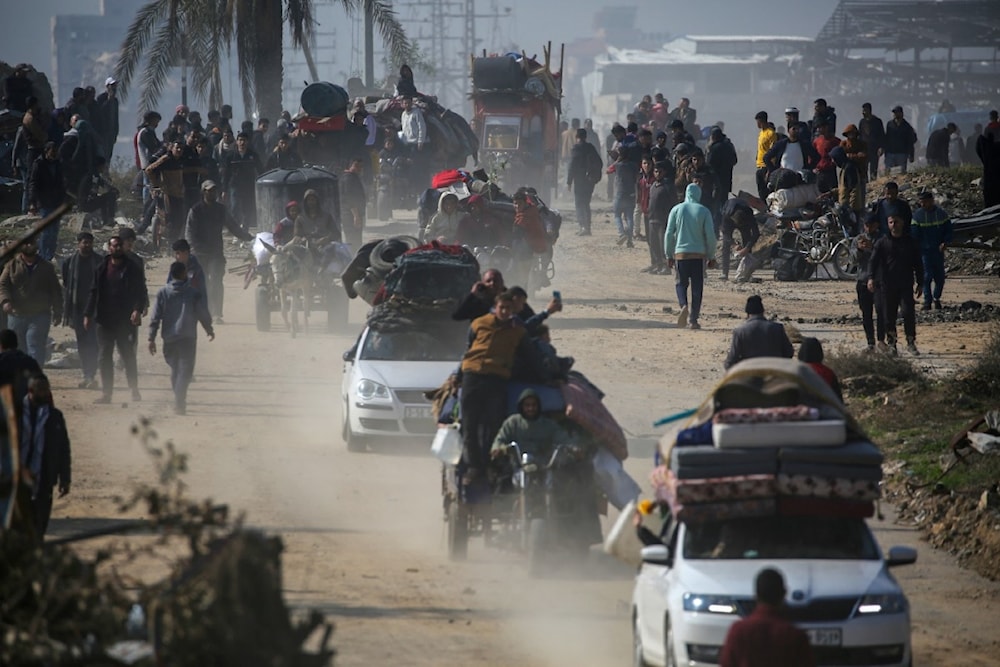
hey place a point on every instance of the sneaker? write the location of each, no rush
(622, 239)
(937, 304)
(93, 384)
(926, 306)
(136, 396)
(103, 400)
(694, 325)
(724, 277)
(219, 320)
(911, 347)
(83, 384)
(180, 410)
(630, 244)
(682, 317)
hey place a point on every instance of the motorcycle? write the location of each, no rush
(822, 234)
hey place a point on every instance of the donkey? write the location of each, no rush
(294, 270)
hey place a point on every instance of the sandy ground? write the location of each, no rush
(363, 532)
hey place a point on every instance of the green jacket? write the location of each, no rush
(534, 436)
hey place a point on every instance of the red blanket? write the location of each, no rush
(314, 124)
(443, 179)
(584, 407)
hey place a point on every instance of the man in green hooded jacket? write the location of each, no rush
(534, 433)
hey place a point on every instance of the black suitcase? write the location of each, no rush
(501, 73)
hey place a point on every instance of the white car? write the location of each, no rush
(385, 377)
(840, 591)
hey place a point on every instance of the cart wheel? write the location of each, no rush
(458, 531)
(262, 308)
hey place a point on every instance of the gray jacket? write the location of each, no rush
(758, 337)
(179, 308)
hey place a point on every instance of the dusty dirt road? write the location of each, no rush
(363, 532)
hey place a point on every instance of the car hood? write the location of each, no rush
(814, 578)
(407, 374)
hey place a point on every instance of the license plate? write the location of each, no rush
(417, 412)
(824, 636)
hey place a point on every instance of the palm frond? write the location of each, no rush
(391, 30)
(163, 53)
(299, 17)
(136, 39)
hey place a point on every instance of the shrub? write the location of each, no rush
(895, 370)
(983, 378)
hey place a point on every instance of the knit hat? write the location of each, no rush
(754, 305)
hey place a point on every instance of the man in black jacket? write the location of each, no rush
(872, 132)
(758, 337)
(662, 197)
(16, 368)
(44, 449)
(78, 271)
(116, 302)
(737, 216)
(205, 223)
(239, 174)
(585, 171)
(46, 193)
(897, 274)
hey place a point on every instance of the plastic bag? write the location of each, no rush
(611, 478)
(447, 445)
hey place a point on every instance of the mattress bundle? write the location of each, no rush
(764, 446)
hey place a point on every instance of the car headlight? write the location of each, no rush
(890, 603)
(369, 389)
(709, 604)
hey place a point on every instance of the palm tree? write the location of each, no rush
(201, 32)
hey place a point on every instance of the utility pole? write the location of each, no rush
(369, 47)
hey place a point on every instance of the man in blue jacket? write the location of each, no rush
(932, 232)
(688, 242)
(179, 308)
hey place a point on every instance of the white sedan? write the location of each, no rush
(840, 591)
(385, 376)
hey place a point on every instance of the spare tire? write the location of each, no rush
(499, 73)
(383, 256)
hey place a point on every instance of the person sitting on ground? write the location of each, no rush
(811, 353)
(533, 432)
(758, 337)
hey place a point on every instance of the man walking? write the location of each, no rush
(179, 308)
(872, 132)
(16, 368)
(932, 231)
(46, 193)
(869, 303)
(688, 242)
(32, 299)
(78, 279)
(662, 198)
(766, 638)
(205, 223)
(900, 142)
(107, 110)
(897, 274)
(116, 302)
(584, 173)
(239, 173)
(757, 337)
(45, 451)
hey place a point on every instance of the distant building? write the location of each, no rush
(78, 43)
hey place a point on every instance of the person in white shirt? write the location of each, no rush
(413, 130)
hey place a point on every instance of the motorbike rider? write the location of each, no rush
(534, 433)
(444, 224)
(529, 233)
(479, 227)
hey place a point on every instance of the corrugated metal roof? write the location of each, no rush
(683, 51)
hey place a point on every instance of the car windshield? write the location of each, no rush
(413, 346)
(780, 537)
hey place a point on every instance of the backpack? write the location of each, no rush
(790, 265)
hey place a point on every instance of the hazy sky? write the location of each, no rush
(533, 21)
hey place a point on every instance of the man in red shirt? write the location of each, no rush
(765, 638)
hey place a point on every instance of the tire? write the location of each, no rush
(354, 442)
(458, 531)
(262, 309)
(668, 644)
(537, 538)
(844, 262)
(638, 659)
